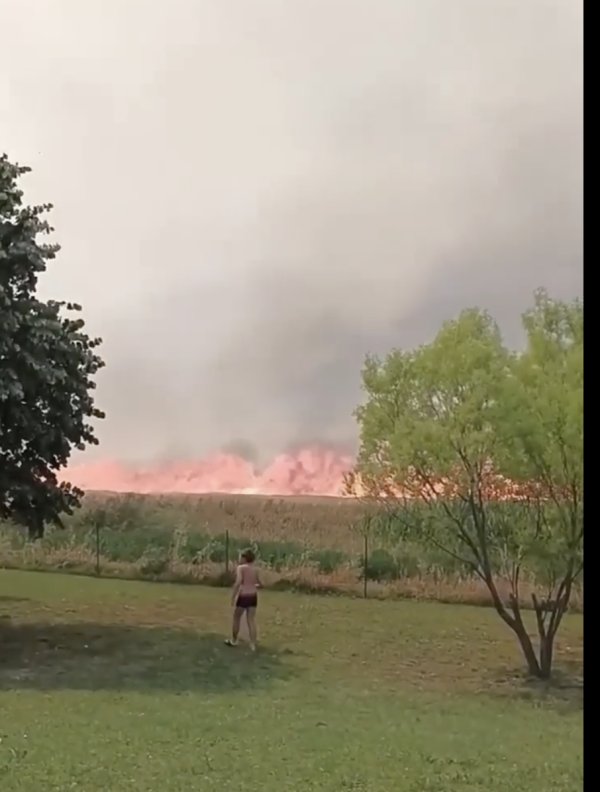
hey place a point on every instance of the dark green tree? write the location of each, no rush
(47, 365)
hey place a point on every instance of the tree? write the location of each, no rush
(543, 443)
(47, 365)
(458, 442)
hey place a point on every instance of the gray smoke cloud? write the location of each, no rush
(251, 196)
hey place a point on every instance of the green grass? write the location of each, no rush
(116, 685)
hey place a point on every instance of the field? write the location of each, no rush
(306, 544)
(127, 686)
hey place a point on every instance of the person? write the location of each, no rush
(245, 598)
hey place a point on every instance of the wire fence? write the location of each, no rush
(230, 556)
(168, 553)
(367, 564)
(310, 545)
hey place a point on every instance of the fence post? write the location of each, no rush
(366, 565)
(227, 552)
(97, 549)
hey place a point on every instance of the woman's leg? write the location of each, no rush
(235, 627)
(251, 619)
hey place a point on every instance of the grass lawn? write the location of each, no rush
(115, 686)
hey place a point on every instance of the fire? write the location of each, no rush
(311, 471)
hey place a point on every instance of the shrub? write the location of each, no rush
(327, 561)
(155, 561)
(380, 566)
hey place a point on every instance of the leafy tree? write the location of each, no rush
(47, 363)
(542, 443)
(478, 451)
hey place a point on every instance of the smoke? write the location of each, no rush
(251, 196)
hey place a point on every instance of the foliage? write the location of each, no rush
(47, 363)
(542, 442)
(380, 565)
(188, 538)
(462, 424)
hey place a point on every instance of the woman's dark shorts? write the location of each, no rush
(246, 601)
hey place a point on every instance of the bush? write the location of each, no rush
(327, 561)
(380, 566)
(155, 561)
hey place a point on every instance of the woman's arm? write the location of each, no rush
(236, 586)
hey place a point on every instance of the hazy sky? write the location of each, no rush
(252, 195)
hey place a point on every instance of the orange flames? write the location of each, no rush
(311, 471)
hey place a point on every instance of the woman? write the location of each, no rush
(245, 598)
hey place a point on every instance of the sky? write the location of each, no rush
(251, 196)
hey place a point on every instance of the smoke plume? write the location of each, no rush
(252, 195)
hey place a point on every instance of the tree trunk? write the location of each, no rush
(547, 632)
(546, 656)
(533, 664)
(515, 622)
(35, 529)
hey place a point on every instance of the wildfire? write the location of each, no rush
(311, 471)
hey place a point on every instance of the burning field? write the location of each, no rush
(310, 471)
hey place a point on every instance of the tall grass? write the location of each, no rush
(311, 544)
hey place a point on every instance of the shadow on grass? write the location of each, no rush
(565, 690)
(88, 656)
(10, 599)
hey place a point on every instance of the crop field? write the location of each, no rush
(127, 686)
(308, 544)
